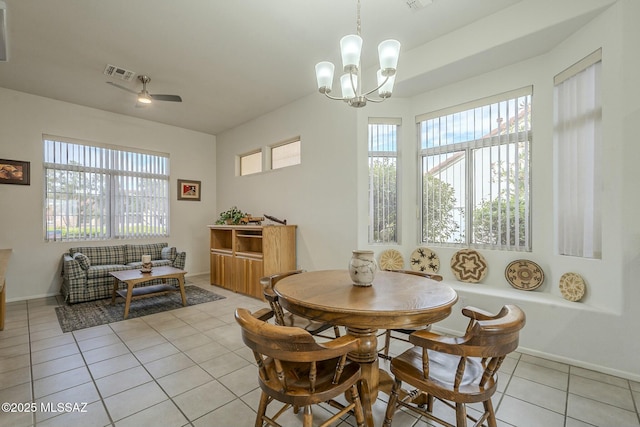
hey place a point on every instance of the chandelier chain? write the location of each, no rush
(358, 20)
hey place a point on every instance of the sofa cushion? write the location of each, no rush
(169, 253)
(154, 263)
(82, 259)
(101, 255)
(98, 271)
(134, 252)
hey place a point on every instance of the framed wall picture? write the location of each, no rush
(188, 190)
(14, 172)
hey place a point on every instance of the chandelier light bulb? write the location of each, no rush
(385, 88)
(388, 53)
(350, 47)
(349, 90)
(324, 75)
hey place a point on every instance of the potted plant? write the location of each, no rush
(231, 216)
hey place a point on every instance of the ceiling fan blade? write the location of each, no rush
(173, 98)
(122, 87)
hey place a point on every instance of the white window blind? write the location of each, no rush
(99, 192)
(475, 168)
(383, 181)
(578, 148)
(285, 154)
(251, 163)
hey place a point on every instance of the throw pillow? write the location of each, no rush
(169, 253)
(83, 260)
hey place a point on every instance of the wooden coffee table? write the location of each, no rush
(134, 277)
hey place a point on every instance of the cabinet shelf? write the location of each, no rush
(242, 254)
(249, 254)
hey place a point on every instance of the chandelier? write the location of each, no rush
(350, 48)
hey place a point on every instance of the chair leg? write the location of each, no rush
(336, 331)
(461, 415)
(359, 413)
(488, 407)
(262, 409)
(391, 406)
(387, 342)
(307, 420)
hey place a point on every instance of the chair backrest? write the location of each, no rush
(489, 337)
(436, 277)
(290, 344)
(268, 282)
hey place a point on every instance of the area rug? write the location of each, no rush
(94, 313)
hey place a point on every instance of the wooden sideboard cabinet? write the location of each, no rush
(242, 254)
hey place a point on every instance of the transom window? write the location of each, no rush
(475, 168)
(95, 192)
(285, 154)
(251, 163)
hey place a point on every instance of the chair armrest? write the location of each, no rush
(340, 346)
(437, 342)
(263, 314)
(475, 313)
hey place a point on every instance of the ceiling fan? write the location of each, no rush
(144, 97)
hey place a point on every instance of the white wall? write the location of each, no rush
(596, 333)
(35, 265)
(319, 195)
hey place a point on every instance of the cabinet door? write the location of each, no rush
(247, 274)
(222, 271)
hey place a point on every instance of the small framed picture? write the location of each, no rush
(188, 190)
(14, 172)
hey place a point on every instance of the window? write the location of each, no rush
(251, 163)
(475, 173)
(383, 180)
(101, 192)
(578, 149)
(285, 154)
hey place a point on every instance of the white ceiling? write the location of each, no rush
(231, 61)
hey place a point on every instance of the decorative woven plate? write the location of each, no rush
(468, 266)
(391, 259)
(572, 286)
(424, 259)
(524, 274)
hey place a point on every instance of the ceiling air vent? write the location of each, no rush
(415, 5)
(121, 73)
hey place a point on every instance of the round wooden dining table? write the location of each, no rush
(394, 301)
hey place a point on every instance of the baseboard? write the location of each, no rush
(561, 359)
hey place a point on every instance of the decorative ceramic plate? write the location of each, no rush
(524, 274)
(572, 286)
(391, 259)
(424, 259)
(468, 266)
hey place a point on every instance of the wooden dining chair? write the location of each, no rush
(456, 370)
(284, 318)
(299, 372)
(403, 334)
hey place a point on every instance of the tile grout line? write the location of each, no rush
(33, 392)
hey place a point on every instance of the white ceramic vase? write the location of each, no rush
(362, 268)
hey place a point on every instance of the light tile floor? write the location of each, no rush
(189, 367)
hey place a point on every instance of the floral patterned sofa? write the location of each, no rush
(85, 270)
